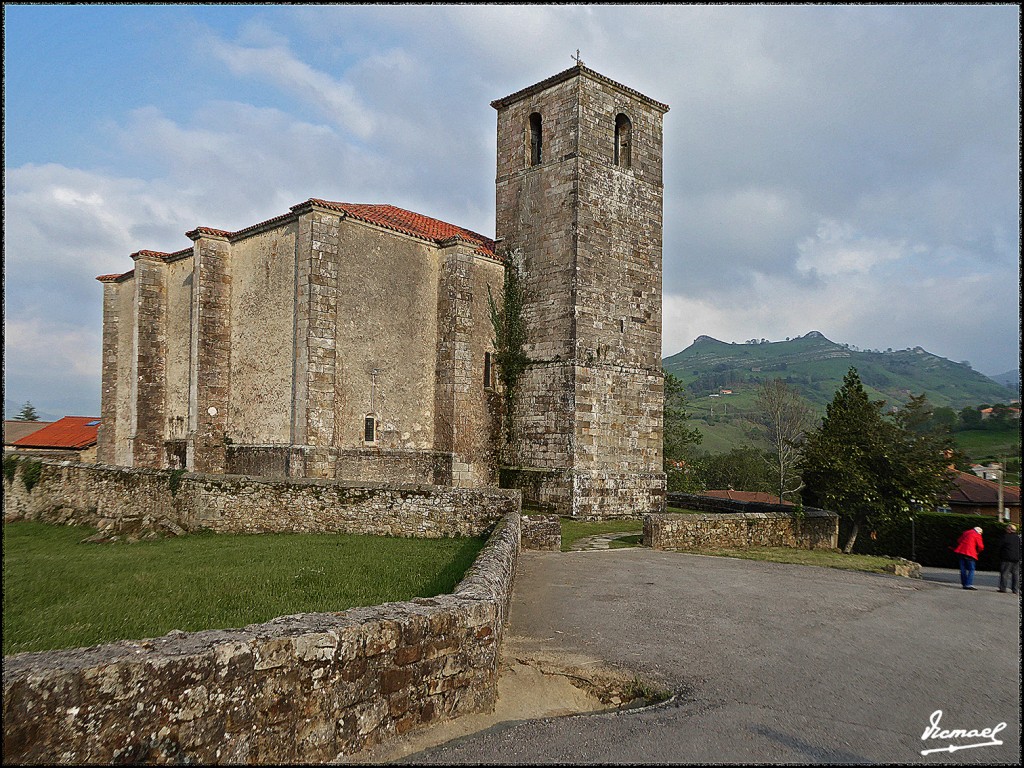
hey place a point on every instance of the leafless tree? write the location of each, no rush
(785, 417)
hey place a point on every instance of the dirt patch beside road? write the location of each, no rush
(534, 683)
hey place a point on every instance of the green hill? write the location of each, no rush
(814, 366)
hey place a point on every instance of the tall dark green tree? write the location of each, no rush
(678, 437)
(27, 413)
(927, 451)
(509, 336)
(869, 468)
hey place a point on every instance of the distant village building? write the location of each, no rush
(15, 429)
(71, 438)
(974, 495)
(354, 342)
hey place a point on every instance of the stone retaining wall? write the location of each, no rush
(543, 532)
(298, 689)
(132, 502)
(777, 526)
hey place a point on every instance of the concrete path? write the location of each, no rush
(770, 663)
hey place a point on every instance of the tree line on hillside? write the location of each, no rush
(868, 465)
(723, 377)
(1001, 417)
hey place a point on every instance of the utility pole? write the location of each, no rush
(1001, 494)
(997, 470)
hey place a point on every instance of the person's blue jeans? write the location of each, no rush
(966, 571)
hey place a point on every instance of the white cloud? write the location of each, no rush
(837, 248)
(61, 219)
(45, 345)
(276, 64)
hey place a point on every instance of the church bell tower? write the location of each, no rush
(579, 214)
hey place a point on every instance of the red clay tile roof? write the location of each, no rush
(410, 223)
(115, 278)
(151, 254)
(756, 496)
(974, 490)
(69, 432)
(198, 232)
(387, 216)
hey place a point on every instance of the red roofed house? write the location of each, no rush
(73, 437)
(355, 342)
(974, 495)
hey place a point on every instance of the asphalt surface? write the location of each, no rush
(769, 663)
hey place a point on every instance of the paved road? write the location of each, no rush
(771, 663)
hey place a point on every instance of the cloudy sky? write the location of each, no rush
(851, 170)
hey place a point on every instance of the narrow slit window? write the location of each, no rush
(370, 428)
(623, 141)
(487, 371)
(536, 139)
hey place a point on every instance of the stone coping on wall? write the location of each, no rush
(542, 532)
(301, 688)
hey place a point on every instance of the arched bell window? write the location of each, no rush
(623, 141)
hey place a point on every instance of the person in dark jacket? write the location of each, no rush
(1009, 559)
(968, 548)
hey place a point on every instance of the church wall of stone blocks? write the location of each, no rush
(354, 341)
(335, 341)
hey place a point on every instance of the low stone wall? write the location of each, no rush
(543, 532)
(588, 494)
(347, 465)
(298, 689)
(814, 529)
(132, 502)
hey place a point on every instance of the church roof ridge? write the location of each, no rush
(380, 214)
(410, 223)
(577, 69)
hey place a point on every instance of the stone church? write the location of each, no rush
(354, 342)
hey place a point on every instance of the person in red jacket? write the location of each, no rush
(967, 548)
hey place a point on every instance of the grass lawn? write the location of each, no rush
(985, 446)
(573, 530)
(821, 557)
(61, 593)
